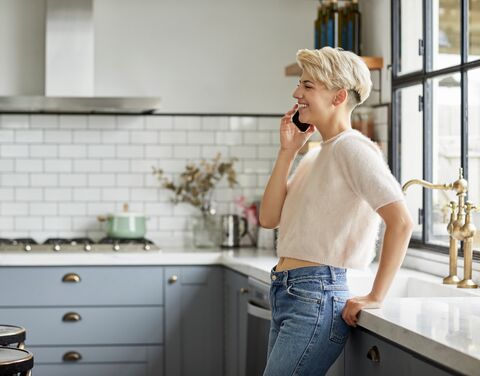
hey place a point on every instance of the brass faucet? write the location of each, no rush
(460, 228)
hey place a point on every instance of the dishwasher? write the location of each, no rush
(258, 326)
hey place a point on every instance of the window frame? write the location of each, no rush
(422, 77)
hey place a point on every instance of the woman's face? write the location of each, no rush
(315, 101)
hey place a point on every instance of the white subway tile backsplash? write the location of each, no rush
(13, 208)
(115, 194)
(172, 137)
(29, 223)
(72, 151)
(188, 152)
(73, 121)
(130, 151)
(86, 194)
(28, 194)
(156, 151)
(15, 180)
(15, 121)
(202, 138)
(86, 137)
(64, 170)
(6, 165)
(101, 180)
(44, 121)
(28, 165)
(58, 136)
(43, 180)
(187, 122)
(115, 137)
(73, 180)
(6, 136)
(13, 151)
(29, 136)
(115, 165)
(158, 122)
(44, 151)
(101, 122)
(58, 194)
(101, 151)
(43, 209)
(143, 137)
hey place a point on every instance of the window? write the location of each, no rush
(436, 109)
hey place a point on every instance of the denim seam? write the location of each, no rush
(304, 298)
(309, 344)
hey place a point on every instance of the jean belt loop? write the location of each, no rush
(285, 277)
(332, 272)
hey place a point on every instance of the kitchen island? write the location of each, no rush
(443, 328)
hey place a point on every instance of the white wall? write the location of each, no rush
(210, 56)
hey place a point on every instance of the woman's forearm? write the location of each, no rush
(276, 190)
(395, 244)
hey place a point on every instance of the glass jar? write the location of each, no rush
(206, 231)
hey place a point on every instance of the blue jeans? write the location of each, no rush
(307, 332)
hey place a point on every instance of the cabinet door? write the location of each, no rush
(236, 299)
(366, 354)
(193, 321)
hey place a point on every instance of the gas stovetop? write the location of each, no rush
(63, 245)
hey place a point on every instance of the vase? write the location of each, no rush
(206, 231)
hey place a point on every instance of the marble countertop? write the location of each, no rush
(443, 329)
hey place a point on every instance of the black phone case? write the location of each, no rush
(302, 126)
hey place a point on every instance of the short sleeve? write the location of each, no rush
(366, 172)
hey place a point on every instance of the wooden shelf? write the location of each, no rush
(373, 63)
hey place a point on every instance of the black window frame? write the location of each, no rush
(422, 77)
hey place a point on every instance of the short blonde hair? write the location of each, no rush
(338, 69)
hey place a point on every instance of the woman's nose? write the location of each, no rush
(296, 93)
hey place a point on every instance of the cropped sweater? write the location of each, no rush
(329, 214)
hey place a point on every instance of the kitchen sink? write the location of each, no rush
(405, 286)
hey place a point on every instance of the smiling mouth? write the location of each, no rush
(302, 105)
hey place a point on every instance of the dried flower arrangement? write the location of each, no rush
(197, 182)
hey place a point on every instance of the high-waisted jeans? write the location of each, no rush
(307, 332)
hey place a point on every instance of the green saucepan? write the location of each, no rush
(125, 225)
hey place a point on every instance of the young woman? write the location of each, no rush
(328, 214)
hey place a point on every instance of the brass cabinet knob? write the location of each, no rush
(71, 278)
(243, 290)
(72, 356)
(71, 316)
(173, 279)
(374, 354)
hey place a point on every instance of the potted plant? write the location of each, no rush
(195, 186)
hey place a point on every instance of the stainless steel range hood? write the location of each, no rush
(69, 68)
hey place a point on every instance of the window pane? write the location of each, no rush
(411, 26)
(411, 149)
(474, 148)
(474, 30)
(446, 33)
(445, 150)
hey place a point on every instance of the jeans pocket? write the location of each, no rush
(306, 292)
(339, 329)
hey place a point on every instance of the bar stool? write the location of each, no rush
(10, 334)
(15, 361)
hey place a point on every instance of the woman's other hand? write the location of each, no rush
(291, 138)
(355, 305)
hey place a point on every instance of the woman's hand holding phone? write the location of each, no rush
(291, 137)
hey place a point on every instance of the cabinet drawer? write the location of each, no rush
(106, 325)
(103, 369)
(44, 286)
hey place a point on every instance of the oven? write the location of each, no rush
(258, 326)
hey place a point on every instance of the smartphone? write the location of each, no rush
(302, 126)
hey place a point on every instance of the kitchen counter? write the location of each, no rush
(443, 329)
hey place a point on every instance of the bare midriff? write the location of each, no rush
(288, 263)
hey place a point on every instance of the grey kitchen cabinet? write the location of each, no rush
(369, 354)
(194, 321)
(88, 320)
(236, 299)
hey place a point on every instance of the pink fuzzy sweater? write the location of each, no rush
(329, 214)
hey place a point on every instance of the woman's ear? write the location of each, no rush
(340, 97)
